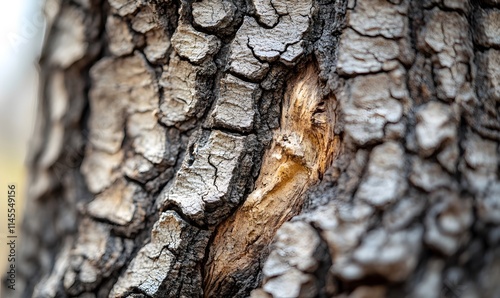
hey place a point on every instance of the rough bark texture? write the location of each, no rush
(266, 148)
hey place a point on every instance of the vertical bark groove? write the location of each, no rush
(300, 152)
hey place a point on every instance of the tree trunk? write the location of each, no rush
(228, 148)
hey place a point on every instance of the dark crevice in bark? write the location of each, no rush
(191, 222)
(322, 273)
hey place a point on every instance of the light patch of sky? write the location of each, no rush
(21, 36)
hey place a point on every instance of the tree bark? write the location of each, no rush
(266, 148)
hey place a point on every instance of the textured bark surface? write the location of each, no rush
(266, 148)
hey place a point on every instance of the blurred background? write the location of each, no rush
(21, 37)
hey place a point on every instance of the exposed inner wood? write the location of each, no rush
(302, 149)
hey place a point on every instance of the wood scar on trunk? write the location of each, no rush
(301, 150)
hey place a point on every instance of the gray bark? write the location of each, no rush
(266, 148)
